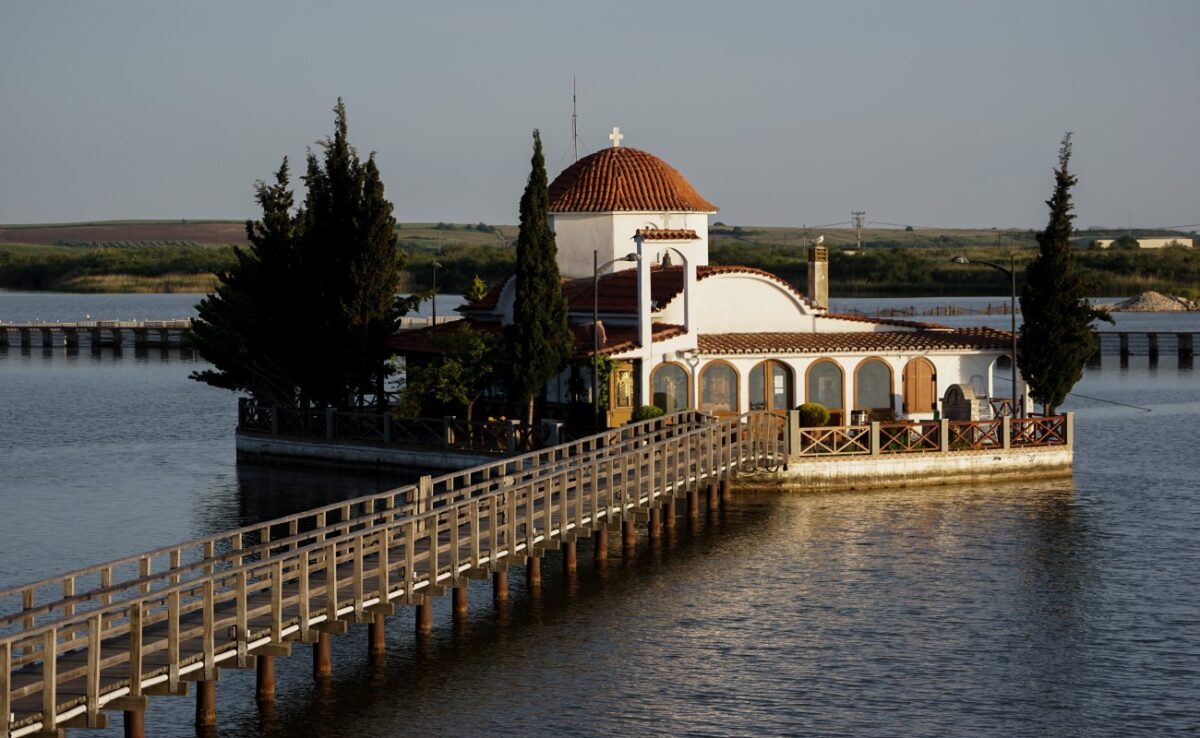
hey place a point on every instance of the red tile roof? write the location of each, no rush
(854, 317)
(669, 234)
(828, 343)
(620, 178)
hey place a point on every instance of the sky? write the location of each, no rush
(931, 114)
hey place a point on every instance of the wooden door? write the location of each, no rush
(920, 386)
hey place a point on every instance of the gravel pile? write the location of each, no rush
(1153, 302)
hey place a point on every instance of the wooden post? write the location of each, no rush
(1152, 346)
(459, 599)
(570, 563)
(377, 634)
(714, 498)
(533, 572)
(1186, 345)
(693, 504)
(1123, 338)
(600, 544)
(500, 586)
(134, 723)
(726, 491)
(424, 615)
(322, 656)
(628, 537)
(655, 524)
(669, 513)
(206, 703)
(265, 682)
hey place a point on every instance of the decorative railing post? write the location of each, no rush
(793, 433)
(1006, 432)
(1069, 430)
(944, 435)
(874, 437)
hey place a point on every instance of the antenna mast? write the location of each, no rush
(574, 122)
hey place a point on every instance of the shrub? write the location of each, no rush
(813, 415)
(646, 412)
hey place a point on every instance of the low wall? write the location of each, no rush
(917, 469)
(264, 447)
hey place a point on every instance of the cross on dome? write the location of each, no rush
(616, 137)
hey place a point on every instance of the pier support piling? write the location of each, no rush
(206, 704)
(322, 656)
(500, 586)
(628, 537)
(533, 572)
(264, 667)
(424, 615)
(570, 563)
(459, 600)
(726, 491)
(669, 514)
(655, 524)
(693, 504)
(134, 723)
(714, 498)
(377, 635)
(600, 544)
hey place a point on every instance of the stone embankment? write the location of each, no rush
(1153, 302)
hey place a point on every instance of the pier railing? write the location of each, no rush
(106, 637)
(374, 426)
(929, 436)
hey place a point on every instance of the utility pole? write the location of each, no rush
(857, 216)
(574, 123)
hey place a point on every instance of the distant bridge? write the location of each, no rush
(139, 333)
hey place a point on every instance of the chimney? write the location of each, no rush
(818, 275)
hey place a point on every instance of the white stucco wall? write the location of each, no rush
(611, 234)
(743, 303)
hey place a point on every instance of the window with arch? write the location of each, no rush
(670, 388)
(873, 385)
(771, 386)
(719, 389)
(825, 384)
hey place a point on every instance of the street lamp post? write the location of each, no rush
(436, 266)
(1011, 271)
(596, 267)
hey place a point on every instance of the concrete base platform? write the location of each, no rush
(251, 446)
(908, 470)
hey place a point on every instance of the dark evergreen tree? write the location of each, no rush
(305, 316)
(1055, 335)
(539, 341)
(243, 329)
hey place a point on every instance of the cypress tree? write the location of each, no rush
(1055, 335)
(539, 341)
(350, 270)
(304, 316)
(242, 328)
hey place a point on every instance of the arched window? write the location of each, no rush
(873, 385)
(825, 384)
(719, 389)
(771, 386)
(670, 383)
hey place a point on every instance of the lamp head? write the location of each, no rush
(630, 257)
(435, 264)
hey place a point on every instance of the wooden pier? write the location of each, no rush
(1151, 344)
(109, 637)
(95, 333)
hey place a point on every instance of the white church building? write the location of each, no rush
(682, 333)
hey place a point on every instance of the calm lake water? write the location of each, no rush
(1064, 608)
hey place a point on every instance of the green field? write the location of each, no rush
(174, 256)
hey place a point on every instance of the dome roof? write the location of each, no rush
(620, 178)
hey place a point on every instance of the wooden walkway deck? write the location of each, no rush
(110, 636)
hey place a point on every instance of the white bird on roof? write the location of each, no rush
(820, 240)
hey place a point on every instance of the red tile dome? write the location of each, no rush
(624, 179)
